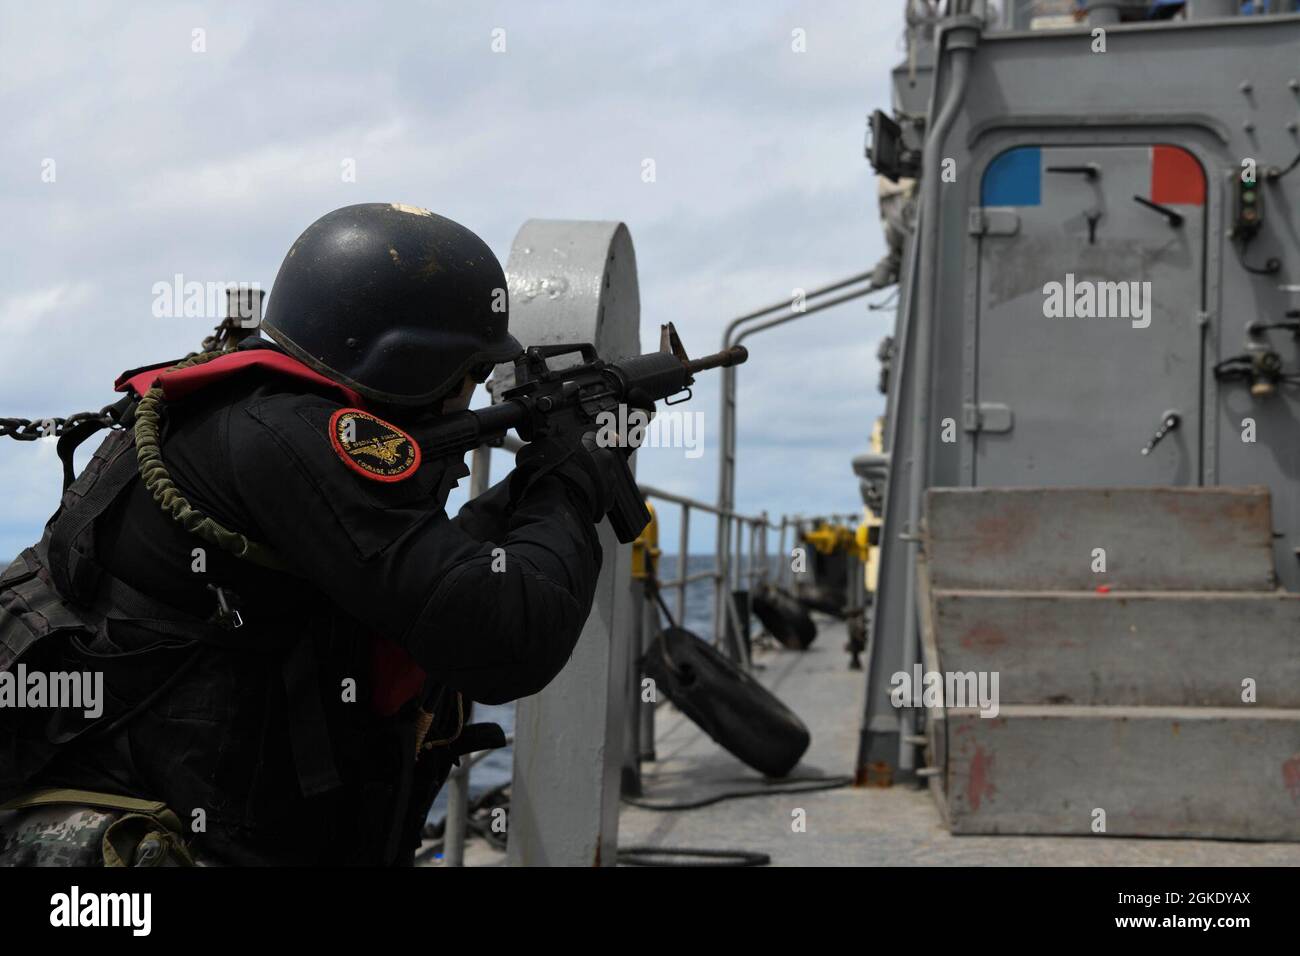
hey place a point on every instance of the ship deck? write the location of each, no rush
(862, 826)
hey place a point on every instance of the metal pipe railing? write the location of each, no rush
(784, 312)
(683, 577)
(956, 40)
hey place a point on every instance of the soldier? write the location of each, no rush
(289, 625)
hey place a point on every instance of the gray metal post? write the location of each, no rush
(453, 850)
(683, 544)
(726, 497)
(721, 566)
(738, 579)
(748, 582)
(959, 39)
(630, 784)
(576, 282)
(736, 644)
(782, 574)
(645, 712)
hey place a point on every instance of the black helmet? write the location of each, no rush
(393, 301)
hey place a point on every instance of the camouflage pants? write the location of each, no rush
(48, 831)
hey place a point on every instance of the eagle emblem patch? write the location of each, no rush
(372, 447)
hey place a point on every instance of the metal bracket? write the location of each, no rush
(986, 417)
(992, 221)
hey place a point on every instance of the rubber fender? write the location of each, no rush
(738, 712)
(819, 599)
(784, 617)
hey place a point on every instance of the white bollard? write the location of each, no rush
(576, 282)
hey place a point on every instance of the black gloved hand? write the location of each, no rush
(576, 461)
(608, 463)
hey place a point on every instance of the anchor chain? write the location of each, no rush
(27, 429)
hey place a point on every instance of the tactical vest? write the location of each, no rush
(58, 605)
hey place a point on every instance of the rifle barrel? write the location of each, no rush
(735, 355)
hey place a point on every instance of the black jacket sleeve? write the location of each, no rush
(525, 598)
(491, 603)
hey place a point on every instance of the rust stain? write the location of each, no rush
(982, 637)
(876, 774)
(1002, 532)
(1246, 515)
(1291, 778)
(978, 783)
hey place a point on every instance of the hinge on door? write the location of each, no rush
(992, 221)
(986, 417)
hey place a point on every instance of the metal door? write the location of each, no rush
(1064, 397)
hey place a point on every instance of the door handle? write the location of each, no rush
(1089, 170)
(1169, 422)
(1175, 218)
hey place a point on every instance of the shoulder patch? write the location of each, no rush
(371, 447)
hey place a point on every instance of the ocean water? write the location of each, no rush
(495, 769)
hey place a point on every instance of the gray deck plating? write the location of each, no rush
(898, 826)
(867, 826)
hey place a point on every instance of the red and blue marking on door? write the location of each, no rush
(1015, 178)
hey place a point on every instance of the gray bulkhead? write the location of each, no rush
(1049, 401)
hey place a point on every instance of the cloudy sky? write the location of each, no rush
(129, 156)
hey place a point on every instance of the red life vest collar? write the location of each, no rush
(185, 381)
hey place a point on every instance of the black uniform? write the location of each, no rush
(260, 731)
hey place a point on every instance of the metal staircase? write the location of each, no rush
(1162, 691)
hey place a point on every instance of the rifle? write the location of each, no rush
(558, 401)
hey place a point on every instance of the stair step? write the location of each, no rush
(1193, 539)
(1217, 773)
(1125, 648)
